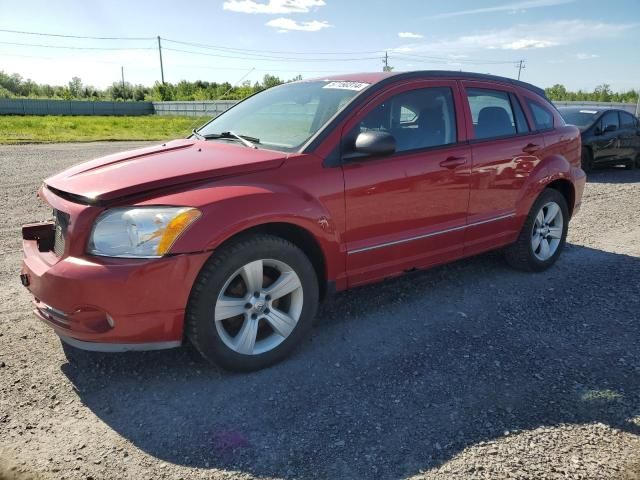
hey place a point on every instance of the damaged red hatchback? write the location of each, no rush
(231, 237)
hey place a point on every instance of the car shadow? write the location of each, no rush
(398, 377)
(615, 174)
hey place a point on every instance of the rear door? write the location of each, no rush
(505, 149)
(407, 210)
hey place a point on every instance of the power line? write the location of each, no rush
(233, 49)
(270, 58)
(73, 36)
(39, 45)
(434, 59)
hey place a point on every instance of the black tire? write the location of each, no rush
(520, 254)
(587, 160)
(637, 160)
(200, 324)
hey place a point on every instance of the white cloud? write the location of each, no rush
(513, 7)
(409, 35)
(586, 56)
(516, 37)
(287, 24)
(272, 6)
(526, 43)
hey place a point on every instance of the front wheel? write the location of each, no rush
(543, 234)
(253, 303)
(587, 160)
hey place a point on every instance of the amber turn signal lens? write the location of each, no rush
(175, 228)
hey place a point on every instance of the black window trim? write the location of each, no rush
(513, 98)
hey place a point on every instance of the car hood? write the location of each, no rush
(173, 163)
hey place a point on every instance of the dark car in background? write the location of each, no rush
(609, 136)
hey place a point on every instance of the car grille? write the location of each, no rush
(60, 233)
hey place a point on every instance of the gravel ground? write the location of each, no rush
(471, 370)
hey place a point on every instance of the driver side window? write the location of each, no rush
(610, 119)
(417, 119)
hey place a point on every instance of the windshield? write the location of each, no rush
(579, 118)
(285, 117)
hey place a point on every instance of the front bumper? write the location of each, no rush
(130, 304)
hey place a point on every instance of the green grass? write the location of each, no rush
(42, 129)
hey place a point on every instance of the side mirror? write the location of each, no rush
(610, 128)
(375, 143)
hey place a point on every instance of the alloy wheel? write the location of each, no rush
(547, 231)
(259, 306)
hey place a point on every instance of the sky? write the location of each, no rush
(578, 43)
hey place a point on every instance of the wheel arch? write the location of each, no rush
(301, 238)
(568, 191)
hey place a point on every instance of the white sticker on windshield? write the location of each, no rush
(592, 112)
(356, 86)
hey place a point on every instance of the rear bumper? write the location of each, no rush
(125, 303)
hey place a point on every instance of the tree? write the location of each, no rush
(75, 87)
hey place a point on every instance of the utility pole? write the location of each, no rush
(160, 53)
(520, 66)
(385, 62)
(122, 73)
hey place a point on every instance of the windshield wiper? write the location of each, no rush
(245, 139)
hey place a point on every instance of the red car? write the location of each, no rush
(231, 237)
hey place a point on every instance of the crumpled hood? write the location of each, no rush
(174, 163)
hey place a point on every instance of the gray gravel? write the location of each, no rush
(471, 370)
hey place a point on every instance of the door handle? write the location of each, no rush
(531, 148)
(453, 162)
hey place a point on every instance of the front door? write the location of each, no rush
(606, 145)
(408, 209)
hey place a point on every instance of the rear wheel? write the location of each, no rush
(587, 160)
(253, 303)
(543, 234)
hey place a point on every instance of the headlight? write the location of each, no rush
(139, 231)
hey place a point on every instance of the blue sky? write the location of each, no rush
(579, 43)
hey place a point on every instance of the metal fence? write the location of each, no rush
(205, 108)
(629, 107)
(28, 106)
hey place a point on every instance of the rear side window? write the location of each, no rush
(541, 115)
(491, 113)
(628, 120)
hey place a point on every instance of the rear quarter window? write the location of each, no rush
(542, 116)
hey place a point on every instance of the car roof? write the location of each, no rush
(380, 77)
